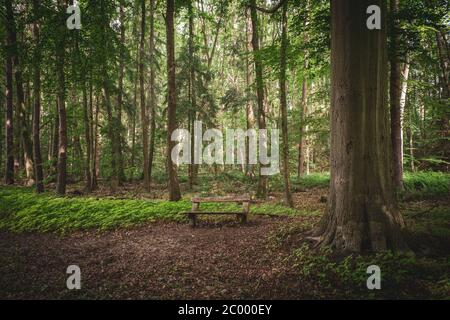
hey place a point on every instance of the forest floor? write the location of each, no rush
(269, 258)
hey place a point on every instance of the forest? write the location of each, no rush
(127, 126)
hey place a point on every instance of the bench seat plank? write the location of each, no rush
(221, 199)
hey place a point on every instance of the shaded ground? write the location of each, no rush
(220, 259)
(217, 260)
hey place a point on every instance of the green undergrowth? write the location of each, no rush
(326, 275)
(22, 210)
(427, 184)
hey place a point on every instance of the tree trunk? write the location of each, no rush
(283, 108)
(96, 153)
(55, 144)
(62, 145)
(24, 129)
(9, 167)
(250, 115)
(362, 213)
(87, 136)
(303, 131)
(262, 181)
(152, 91)
(174, 187)
(395, 88)
(144, 117)
(192, 92)
(37, 157)
(119, 154)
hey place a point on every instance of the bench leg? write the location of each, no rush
(193, 219)
(193, 216)
(246, 210)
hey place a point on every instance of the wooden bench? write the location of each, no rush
(241, 216)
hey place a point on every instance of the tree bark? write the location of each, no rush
(37, 157)
(62, 145)
(24, 129)
(152, 91)
(87, 136)
(303, 130)
(9, 121)
(283, 107)
(192, 92)
(395, 92)
(262, 181)
(174, 187)
(144, 117)
(119, 154)
(362, 213)
(250, 114)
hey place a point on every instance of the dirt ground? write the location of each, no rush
(159, 260)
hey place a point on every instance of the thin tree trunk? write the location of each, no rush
(87, 136)
(144, 117)
(174, 187)
(152, 91)
(24, 129)
(62, 145)
(250, 115)
(262, 181)
(283, 108)
(303, 130)
(362, 213)
(114, 163)
(192, 92)
(9, 121)
(395, 92)
(55, 145)
(37, 157)
(96, 153)
(119, 154)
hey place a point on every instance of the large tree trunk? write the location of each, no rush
(144, 116)
(152, 90)
(262, 181)
(283, 108)
(174, 187)
(37, 157)
(9, 166)
(62, 145)
(362, 213)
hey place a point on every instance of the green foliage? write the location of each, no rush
(23, 211)
(427, 184)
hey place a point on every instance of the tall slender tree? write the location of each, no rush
(37, 157)
(152, 52)
(174, 187)
(61, 180)
(20, 95)
(283, 106)
(9, 121)
(144, 113)
(262, 181)
(395, 93)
